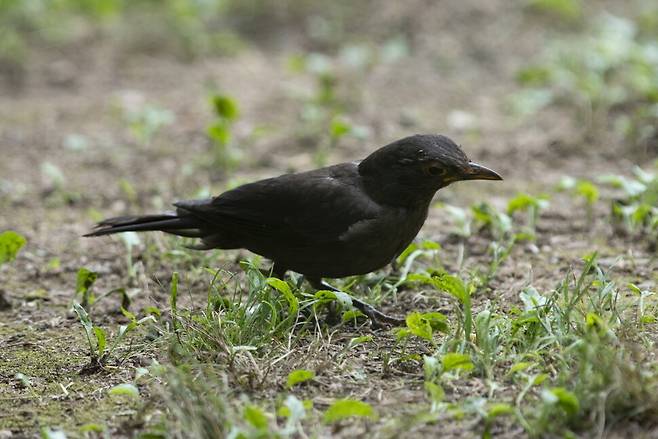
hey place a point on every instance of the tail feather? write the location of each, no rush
(169, 222)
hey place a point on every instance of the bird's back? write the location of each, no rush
(320, 223)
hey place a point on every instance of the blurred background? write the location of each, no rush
(114, 107)
(108, 103)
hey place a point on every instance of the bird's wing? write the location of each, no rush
(303, 209)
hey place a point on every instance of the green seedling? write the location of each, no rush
(583, 189)
(532, 206)
(11, 244)
(488, 218)
(99, 350)
(84, 290)
(423, 325)
(459, 290)
(299, 376)
(220, 131)
(348, 408)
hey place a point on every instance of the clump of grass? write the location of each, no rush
(584, 333)
(575, 357)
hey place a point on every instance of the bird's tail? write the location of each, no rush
(181, 225)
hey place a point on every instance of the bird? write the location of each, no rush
(346, 219)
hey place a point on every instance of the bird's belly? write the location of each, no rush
(366, 246)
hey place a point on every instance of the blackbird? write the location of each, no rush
(341, 220)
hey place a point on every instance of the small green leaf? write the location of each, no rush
(452, 285)
(92, 428)
(588, 191)
(255, 416)
(635, 289)
(538, 379)
(101, 338)
(283, 288)
(299, 376)
(522, 365)
(85, 280)
(339, 128)
(152, 310)
(173, 292)
(423, 325)
(455, 360)
(84, 318)
(225, 107)
(434, 391)
(24, 379)
(531, 299)
(593, 321)
(130, 316)
(647, 318)
(220, 133)
(359, 340)
(127, 389)
(347, 408)
(564, 398)
(326, 296)
(419, 326)
(525, 201)
(352, 315)
(10, 244)
(499, 409)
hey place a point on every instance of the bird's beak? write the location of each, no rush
(479, 172)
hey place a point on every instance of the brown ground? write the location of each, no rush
(463, 57)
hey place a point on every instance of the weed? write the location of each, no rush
(532, 205)
(10, 244)
(99, 350)
(224, 155)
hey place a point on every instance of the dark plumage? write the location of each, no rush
(341, 220)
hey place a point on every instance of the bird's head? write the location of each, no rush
(421, 164)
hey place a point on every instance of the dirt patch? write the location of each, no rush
(70, 156)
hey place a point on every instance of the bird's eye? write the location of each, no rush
(436, 171)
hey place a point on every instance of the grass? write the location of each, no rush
(510, 328)
(575, 359)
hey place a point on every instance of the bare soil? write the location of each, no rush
(463, 57)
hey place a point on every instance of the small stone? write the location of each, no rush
(4, 305)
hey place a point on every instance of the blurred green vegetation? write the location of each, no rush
(607, 78)
(187, 28)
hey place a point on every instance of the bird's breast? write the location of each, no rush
(383, 237)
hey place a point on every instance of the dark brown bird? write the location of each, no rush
(341, 220)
